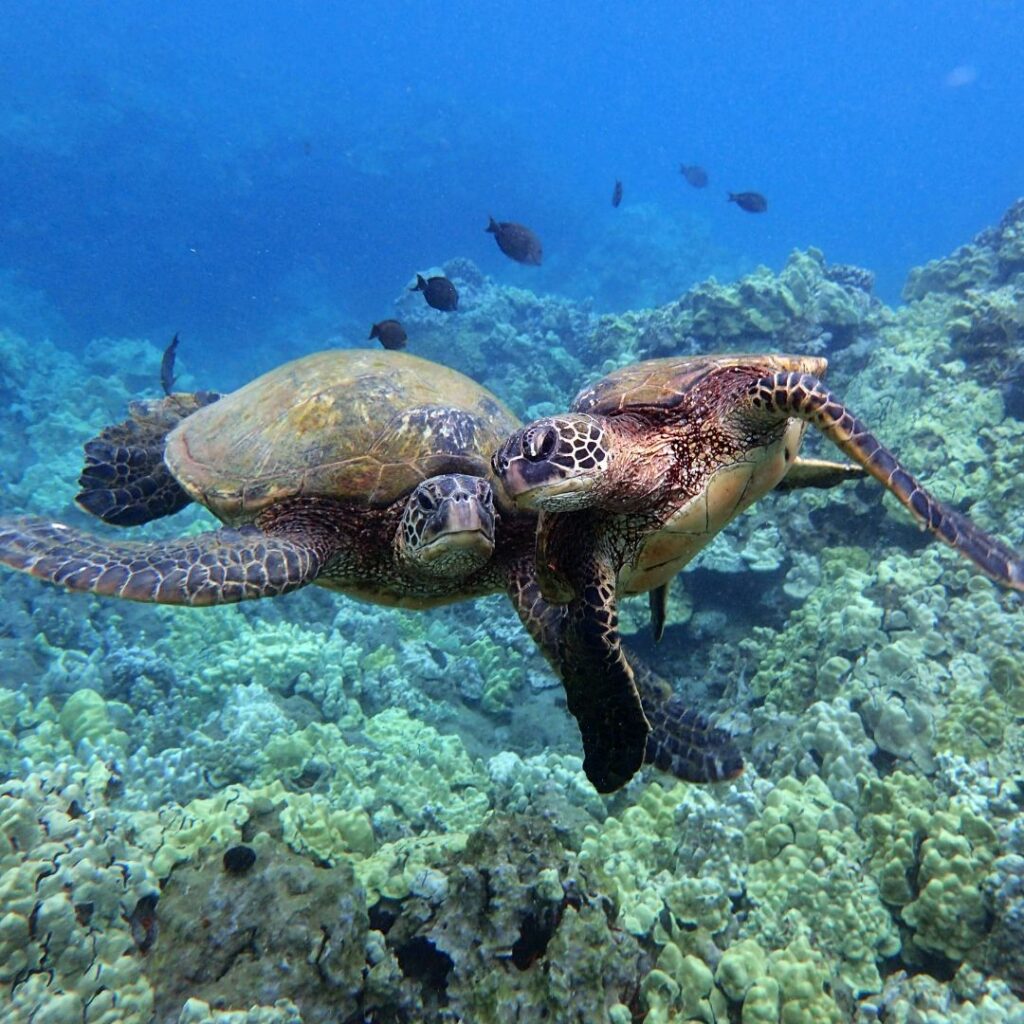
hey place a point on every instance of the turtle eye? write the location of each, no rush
(424, 501)
(540, 444)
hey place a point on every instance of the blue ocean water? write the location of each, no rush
(240, 168)
(320, 809)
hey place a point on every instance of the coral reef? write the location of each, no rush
(995, 256)
(423, 845)
(807, 307)
(77, 903)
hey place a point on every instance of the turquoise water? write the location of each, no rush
(321, 809)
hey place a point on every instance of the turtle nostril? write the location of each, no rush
(540, 444)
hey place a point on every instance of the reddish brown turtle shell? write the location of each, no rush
(660, 384)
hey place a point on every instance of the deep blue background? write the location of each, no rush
(267, 168)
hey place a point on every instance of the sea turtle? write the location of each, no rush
(657, 457)
(361, 471)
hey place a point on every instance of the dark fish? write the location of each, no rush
(694, 174)
(516, 241)
(752, 202)
(390, 333)
(438, 291)
(167, 377)
(617, 194)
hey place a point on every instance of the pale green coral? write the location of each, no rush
(86, 716)
(741, 966)
(931, 858)
(806, 872)
(837, 620)
(70, 881)
(951, 913)
(789, 985)
(682, 984)
(805, 984)
(197, 1011)
(311, 825)
(632, 848)
(502, 675)
(895, 815)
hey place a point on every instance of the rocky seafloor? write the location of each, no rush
(426, 845)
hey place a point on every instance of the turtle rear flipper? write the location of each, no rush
(805, 396)
(125, 481)
(682, 742)
(220, 567)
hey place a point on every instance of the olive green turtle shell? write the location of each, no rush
(659, 385)
(359, 426)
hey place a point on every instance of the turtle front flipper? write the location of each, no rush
(125, 481)
(220, 567)
(804, 396)
(600, 689)
(682, 742)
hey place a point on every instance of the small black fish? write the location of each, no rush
(439, 292)
(617, 194)
(694, 174)
(167, 377)
(516, 241)
(390, 333)
(752, 202)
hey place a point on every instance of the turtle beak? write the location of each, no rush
(463, 517)
(460, 524)
(514, 482)
(520, 474)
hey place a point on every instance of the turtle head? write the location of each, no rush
(558, 463)
(447, 526)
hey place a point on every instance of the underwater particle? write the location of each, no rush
(238, 859)
(752, 202)
(167, 377)
(390, 333)
(439, 292)
(694, 174)
(617, 193)
(961, 75)
(516, 241)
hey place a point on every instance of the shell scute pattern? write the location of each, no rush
(663, 384)
(313, 429)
